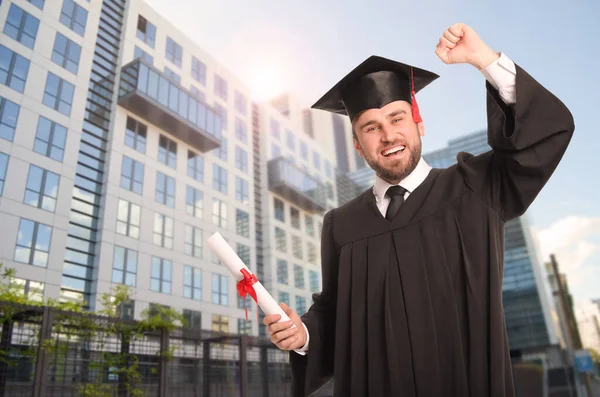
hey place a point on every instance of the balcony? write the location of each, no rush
(149, 94)
(295, 185)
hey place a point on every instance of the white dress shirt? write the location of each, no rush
(501, 74)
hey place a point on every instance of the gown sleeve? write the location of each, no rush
(314, 369)
(528, 140)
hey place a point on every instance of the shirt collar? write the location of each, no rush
(410, 183)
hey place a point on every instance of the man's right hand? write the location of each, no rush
(283, 334)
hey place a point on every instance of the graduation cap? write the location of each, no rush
(373, 84)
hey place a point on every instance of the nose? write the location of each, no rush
(388, 134)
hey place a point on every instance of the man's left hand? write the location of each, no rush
(460, 44)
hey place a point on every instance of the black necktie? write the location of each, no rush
(396, 193)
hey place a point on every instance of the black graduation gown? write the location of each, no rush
(413, 307)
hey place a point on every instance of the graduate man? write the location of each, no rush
(412, 269)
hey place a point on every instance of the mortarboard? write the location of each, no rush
(373, 84)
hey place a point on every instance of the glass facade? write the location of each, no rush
(87, 193)
(145, 90)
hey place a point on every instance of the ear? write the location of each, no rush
(421, 128)
(358, 147)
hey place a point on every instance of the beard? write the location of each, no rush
(396, 170)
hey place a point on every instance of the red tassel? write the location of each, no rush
(415, 107)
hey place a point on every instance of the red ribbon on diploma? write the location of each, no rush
(245, 286)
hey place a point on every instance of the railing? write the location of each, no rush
(45, 352)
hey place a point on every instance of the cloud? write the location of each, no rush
(570, 239)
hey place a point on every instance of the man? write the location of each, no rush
(412, 269)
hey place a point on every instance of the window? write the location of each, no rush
(310, 225)
(243, 251)
(167, 151)
(241, 159)
(198, 71)
(163, 231)
(135, 135)
(279, 210)
(9, 114)
(241, 130)
(297, 247)
(241, 190)
(195, 165)
(221, 151)
(221, 89)
(193, 241)
(42, 188)
(3, 168)
(219, 213)
(192, 283)
(285, 298)
(58, 94)
(74, 17)
(126, 310)
(295, 217)
(316, 160)
(219, 179)
(124, 266)
(194, 202)
(330, 191)
(38, 3)
(300, 305)
(172, 75)
(275, 151)
(244, 327)
(33, 243)
(146, 31)
(192, 319)
(21, 26)
(128, 219)
(298, 277)
(132, 175)
(199, 95)
(66, 53)
(241, 104)
(220, 323)
(328, 169)
(221, 112)
(50, 139)
(139, 53)
(174, 52)
(304, 151)
(220, 290)
(275, 129)
(160, 279)
(32, 290)
(313, 279)
(290, 140)
(280, 240)
(242, 222)
(13, 69)
(165, 190)
(312, 253)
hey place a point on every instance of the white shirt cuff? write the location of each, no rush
(502, 75)
(304, 349)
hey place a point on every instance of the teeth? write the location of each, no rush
(393, 150)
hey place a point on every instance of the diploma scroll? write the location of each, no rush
(244, 278)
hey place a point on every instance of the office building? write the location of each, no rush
(124, 146)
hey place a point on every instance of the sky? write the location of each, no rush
(305, 47)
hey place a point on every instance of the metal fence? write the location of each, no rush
(46, 352)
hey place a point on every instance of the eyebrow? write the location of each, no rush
(393, 114)
(396, 113)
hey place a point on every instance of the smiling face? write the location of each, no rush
(389, 140)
